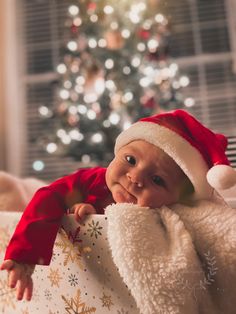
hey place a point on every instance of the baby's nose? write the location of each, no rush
(135, 179)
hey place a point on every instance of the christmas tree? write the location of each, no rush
(115, 68)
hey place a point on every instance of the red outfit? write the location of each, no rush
(33, 239)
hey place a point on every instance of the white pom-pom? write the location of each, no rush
(221, 177)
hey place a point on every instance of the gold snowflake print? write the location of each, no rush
(72, 252)
(25, 311)
(54, 277)
(122, 311)
(94, 229)
(6, 295)
(106, 301)
(4, 238)
(76, 306)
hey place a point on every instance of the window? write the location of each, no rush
(203, 44)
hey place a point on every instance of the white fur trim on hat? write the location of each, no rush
(180, 150)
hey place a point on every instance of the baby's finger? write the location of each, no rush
(7, 265)
(21, 286)
(13, 277)
(29, 290)
(78, 217)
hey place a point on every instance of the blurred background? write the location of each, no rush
(74, 74)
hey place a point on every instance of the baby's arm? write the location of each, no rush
(81, 210)
(19, 276)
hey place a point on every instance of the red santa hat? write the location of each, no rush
(198, 151)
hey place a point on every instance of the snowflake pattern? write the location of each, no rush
(48, 295)
(5, 235)
(73, 280)
(6, 295)
(106, 301)
(94, 229)
(122, 311)
(76, 306)
(54, 277)
(72, 252)
(25, 311)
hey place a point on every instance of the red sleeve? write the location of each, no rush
(33, 239)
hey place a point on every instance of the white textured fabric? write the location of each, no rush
(179, 260)
(15, 192)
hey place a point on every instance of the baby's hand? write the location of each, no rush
(19, 276)
(81, 210)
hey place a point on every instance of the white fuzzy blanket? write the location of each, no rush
(176, 260)
(15, 192)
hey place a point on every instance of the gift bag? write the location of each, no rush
(81, 279)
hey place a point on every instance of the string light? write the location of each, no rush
(141, 47)
(108, 9)
(159, 18)
(114, 118)
(102, 43)
(184, 81)
(145, 81)
(136, 61)
(64, 94)
(90, 97)
(92, 43)
(189, 102)
(99, 85)
(125, 33)
(73, 110)
(126, 70)
(73, 10)
(38, 165)
(94, 18)
(80, 80)
(127, 97)
(51, 148)
(97, 138)
(114, 25)
(152, 45)
(45, 112)
(109, 64)
(67, 84)
(77, 21)
(76, 135)
(106, 123)
(72, 45)
(61, 133)
(82, 109)
(86, 159)
(66, 139)
(91, 114)
(109, 84)
(61, 68)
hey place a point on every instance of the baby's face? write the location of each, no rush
(143, 174)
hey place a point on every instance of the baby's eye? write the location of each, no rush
(131, 160)
(158, 180)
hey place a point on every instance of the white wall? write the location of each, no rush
(11, 110)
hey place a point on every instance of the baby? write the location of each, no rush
(160, 160)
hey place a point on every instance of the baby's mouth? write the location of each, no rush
(124, 196)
